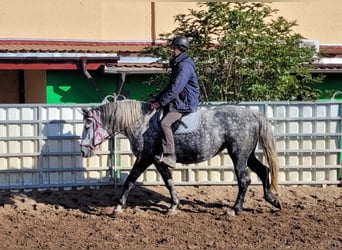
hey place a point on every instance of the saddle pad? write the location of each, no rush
(187, 124)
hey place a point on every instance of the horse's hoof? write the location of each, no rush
(230, 212)
(172, 210)
(278, 205)
(237, 211)
(118, 210)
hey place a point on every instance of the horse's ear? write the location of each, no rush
(84, 111)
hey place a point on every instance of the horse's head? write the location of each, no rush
(94, 132)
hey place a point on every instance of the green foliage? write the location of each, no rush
(244, 52)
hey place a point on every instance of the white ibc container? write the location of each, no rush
(79, 129)
(293, 127)
(67, 113)
(3, 163)
(201, 175)
(29, 162)
(306, 160)
(124, 144)
(280, 145)
(293, 175)
(294, 111)
(307, 144)
(320, 175)
(14, 130)
(321, 110)
(321, 127)
(177, 175)
(215, 175)
(202, 164)
(14, 163)
(282, 160)
(3, 130)
(93, 176)
(307, 127)
(293, 160)
(14, 147)
(306, 175)
(13, 114)
(28, 130)
(151, 175)
(320, 143)
(227, 161)
(3, 114)
(280, 111)
(29, 147)
(332, 175)
(53, 114)
(228, 176)
(320, 160)
(94, 161)
(125, 160)
(254, 178)
(282, 176)
(293, 144)
(215, 161)
(3, 147)
(28, 114)
(333, 159)
(105, 160)
(307, 111)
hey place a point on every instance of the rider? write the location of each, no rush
(180, 97)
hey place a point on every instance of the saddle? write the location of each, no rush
(187, 124)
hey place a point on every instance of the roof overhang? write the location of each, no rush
(327, 65)
(49, 60)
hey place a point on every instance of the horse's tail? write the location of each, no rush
(268, 144)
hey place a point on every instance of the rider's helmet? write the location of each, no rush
(182, 42)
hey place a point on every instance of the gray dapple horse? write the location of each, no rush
(212, 129)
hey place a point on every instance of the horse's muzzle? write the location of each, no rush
(86, 152)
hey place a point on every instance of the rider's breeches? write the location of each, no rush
(168, 142)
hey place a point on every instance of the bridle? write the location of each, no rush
(99, 131)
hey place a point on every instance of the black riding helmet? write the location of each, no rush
(181, 42)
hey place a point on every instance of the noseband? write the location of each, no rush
(98, 133)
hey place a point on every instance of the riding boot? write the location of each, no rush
(168, 160)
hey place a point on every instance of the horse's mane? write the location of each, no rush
(121, 114)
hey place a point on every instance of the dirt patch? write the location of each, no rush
(82, 219)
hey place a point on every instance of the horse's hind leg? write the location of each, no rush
(243, 179)
(167, 177)
(263, 173)
(138, 168)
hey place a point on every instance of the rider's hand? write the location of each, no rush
(155, 105)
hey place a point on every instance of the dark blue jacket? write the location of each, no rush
(182, 92)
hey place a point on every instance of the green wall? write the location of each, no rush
(74, 87)
(331, 84)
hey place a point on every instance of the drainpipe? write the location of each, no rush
(153, 22)
(91, 79)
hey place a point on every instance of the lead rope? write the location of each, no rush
(114, 173)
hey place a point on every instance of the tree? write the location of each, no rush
(243, 52)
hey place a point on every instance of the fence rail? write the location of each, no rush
(39, 148)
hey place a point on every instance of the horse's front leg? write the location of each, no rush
(138, 168)
(167, 177)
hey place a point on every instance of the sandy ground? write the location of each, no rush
(82, 219)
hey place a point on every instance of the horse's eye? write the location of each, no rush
(88, 123)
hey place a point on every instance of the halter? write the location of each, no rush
(100, 133)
